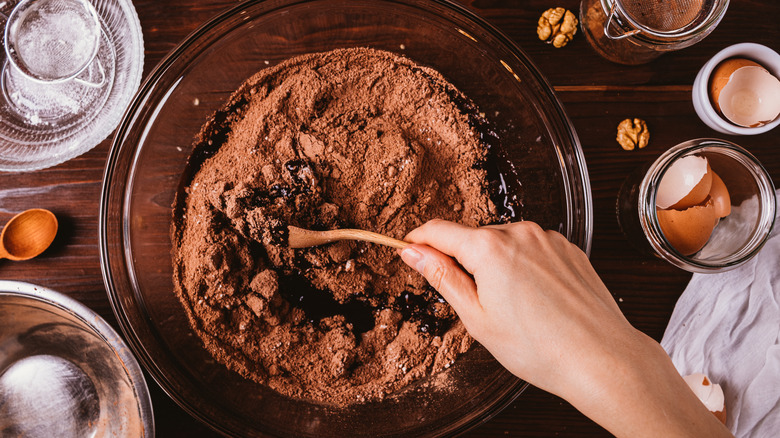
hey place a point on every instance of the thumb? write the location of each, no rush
(445, 275)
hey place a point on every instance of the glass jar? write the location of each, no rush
(637, 32)
(735, 239)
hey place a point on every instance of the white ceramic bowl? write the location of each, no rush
(763, 55)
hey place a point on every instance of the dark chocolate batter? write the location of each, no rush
(350, 138)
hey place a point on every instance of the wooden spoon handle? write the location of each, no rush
(301, 238)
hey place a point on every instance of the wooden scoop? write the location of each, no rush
(301, 238)
(28, 234)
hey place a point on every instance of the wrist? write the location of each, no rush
(636, 391)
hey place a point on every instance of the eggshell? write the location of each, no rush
(686, 183)
(719, 194)
(722, 73)
(751, 97)
(720, 415)
(710, 394)
(688, 230)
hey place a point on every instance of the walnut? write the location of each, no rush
(557, 26)
(632, 134)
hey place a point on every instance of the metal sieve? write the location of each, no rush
(52, 40)
(662, 24)
(638, 31)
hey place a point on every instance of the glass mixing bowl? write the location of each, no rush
(149, 156)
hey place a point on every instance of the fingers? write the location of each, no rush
(452, 239)
(448, 237)
(474, 247)
(444, 274)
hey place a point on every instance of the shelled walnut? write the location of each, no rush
(633, 133)
(557, 26)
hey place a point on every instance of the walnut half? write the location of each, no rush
(557, 26)
(633, 133)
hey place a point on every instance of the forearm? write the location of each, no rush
(536, 303)
(641, 394)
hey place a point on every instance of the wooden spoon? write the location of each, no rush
(28, 234)
(301, 238)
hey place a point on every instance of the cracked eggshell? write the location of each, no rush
(745, 93)
(686, 183)
(722, 73)
(720, 196)
(688, 230)
(711, 394)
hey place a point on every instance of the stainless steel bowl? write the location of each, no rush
(64, 372)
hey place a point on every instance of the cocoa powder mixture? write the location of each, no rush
(350, 138)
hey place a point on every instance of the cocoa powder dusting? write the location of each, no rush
(350, 138)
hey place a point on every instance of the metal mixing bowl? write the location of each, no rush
(64, 372)
(149, 157)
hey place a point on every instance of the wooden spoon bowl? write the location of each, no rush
(28, 234)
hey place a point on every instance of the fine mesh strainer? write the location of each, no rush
(674, 23)
(667, 16)
(638, 31)
(52, 40)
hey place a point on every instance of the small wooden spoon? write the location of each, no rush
(301, 238)
(28, 234)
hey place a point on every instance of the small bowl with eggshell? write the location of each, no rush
(737, 92)
(705, 205)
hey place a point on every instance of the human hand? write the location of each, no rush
(535, 302)
(532, 291)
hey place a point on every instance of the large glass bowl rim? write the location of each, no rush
(577, 176)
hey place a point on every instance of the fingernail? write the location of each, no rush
(413, 258)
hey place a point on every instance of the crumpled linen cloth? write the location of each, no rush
(727, 326)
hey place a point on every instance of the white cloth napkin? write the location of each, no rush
(727, 326)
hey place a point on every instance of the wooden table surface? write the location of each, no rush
(596, 94)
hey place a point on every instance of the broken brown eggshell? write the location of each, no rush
(690, 201)
(745, 93)
(688, 230)
(710, 394)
